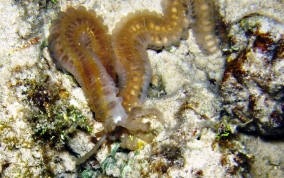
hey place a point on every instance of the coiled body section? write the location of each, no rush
(80, 44)
(141, 30)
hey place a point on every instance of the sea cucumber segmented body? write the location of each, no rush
(204, 25)
(137, 31)
(79, 42)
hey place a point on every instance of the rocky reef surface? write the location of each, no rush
(212, 104)
(252, 86)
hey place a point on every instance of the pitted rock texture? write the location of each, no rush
(253, 85)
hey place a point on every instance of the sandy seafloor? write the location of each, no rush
(32, 90)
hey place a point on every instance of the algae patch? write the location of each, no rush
(50, 114)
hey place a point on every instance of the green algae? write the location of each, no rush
(223, 128)
(251, 23)
(117, 163)
(54, 2)
(52, 117)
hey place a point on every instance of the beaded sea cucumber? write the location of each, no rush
(80, 44)
(204, 25)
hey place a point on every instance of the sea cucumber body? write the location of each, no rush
(79, 42)
(137, 31)
(204, 26)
